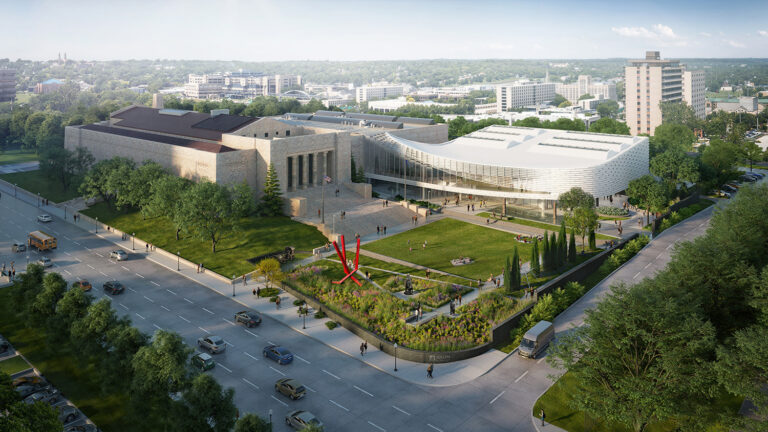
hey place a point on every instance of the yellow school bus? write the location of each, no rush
(42, 241)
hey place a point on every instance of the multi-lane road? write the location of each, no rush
(345, 393)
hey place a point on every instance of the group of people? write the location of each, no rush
(10, 272)
(381, 230)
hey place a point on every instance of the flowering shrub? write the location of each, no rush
(384, 314)
(611, 211)
(440, 294)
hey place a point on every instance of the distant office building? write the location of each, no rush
(649, 82)
(488, 108)
(366, 93)
(7, 85)
(694, 92)
(48, 86)
(238, 85)
(395, 104)
(523, 93)
(585, 85)
(745, 104)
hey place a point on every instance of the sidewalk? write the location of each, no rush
(445, 374)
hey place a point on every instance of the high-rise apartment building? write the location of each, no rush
(7, 85)
(366, 93)
(651, 81)
(694, 92)
(585, 85)
(523, 93)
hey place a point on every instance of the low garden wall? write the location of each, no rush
(692, 199)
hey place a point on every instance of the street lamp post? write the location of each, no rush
(233, 285)
(38, 200)
(178, 261)
(14, 189)
(270, 419)
(322, 194)
(133, 241)
(395, 356)
(97, 224)
(65, 212)
(304, 315)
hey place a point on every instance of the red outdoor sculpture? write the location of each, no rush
(343, 256)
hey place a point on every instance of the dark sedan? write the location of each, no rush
(113, 287)
(250, 319)
(278, 354)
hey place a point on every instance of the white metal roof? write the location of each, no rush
(521, 147)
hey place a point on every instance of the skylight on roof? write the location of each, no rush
(173, 112)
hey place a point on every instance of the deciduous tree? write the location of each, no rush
(609, 126)
(165, 199)
(270, 269)
(207, 406)
(206, 211)
(649, 193)
(252, 423)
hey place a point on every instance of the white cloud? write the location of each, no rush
(705, 34)
(734, 44)
(763, 33)
(662, 34)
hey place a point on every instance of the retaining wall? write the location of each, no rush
(692, 199)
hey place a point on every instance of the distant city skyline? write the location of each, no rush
(394, 30)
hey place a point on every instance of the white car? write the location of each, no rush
(118, 255)
(44, 218)
(45, 262)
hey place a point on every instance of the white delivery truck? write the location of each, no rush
(537, 339)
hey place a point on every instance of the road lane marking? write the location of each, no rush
(67, 238)
(171, 291)
(126, 307)
(253, 357)
(125, 268)
(92, 267)
(89, 249)
(224, 367)
(139, 316)
(541, 360)
(434, 427)
(302, 359)
(636, 275)
(252, 384)
(646, 266)
(273, 397)
(67, 272)
(521, 376)
(331, 374)
(377, 426)
(104, 274)
(362, 390)
(99, 254)
(183, 318)
(203, 329)
(188, 300)
(271, 343)
(252, 334)
(229, 343)
(139, 275)
(399, 409)
(68, 254)
(131, 289)
(157, 326)
(78, 259)
(497, 396)
(154, 283)
(340, 406)
(149, 299)
(310, 389)
(230, 322)
(277, 371)
(165, 308)
(207, 311)
(670, 246)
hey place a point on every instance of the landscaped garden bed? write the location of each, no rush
(384, 314)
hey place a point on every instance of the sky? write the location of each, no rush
(267, 30)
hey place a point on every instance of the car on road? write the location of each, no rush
(4, 345)
(754, 173)
(67, 413)
(291, 388)
(83, 284)
(724, 194)
(748, 178)
(48, 395)
(82, 428)
(45, 262)
(118, 255)
(25, 390)
(277, 353)
(301, 419)
(250, 319)
(212, 344)
(113, 287)
(203, 361)
(18, 247)
(31, 380)
(728, 188)
(44, 218)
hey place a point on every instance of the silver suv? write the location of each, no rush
(118, 255)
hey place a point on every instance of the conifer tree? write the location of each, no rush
(572, 247)
(515, 283)
(553, 252)
(545, 252)
(535, 266)
(507, 276)
(562, 245)
(592, 239)
(272, 200)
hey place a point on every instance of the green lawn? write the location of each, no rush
(556, 405)
(14, 365)
(541, 225)
(255, 237)
(59, 366)
(16, 156)
(36, 182)
(448, 239)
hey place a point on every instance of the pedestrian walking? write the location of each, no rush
(254, 292)
(543, 416)
(459, 299)
(378, 230)
(277, 302)
(420, 312)
(146, 247)
(365, 346)
(318, 212)
(467, 208)
(473, 207)
(244, 281)
(258, 292)
(202, 268)
(487, 221)
(362, 350)
(430, 369)
(385, 230)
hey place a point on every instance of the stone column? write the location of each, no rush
(312, 173)
(305, 171)
(332, 166)
(318, 168)
(294, 172)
